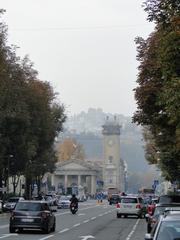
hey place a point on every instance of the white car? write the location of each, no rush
(64, 202)
(130, 205)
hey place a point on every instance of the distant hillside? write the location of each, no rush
(86, 129)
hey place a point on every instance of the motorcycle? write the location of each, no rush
(73, 208)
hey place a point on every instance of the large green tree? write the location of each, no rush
(30, 117)
(158, 91)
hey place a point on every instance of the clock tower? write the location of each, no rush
(111, 155)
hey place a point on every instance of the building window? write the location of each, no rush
(110, 159)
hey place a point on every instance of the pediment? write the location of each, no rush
(73, 166)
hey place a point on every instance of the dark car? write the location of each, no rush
(169, 199)
(32, 215)
(115, 198)
(11, 203)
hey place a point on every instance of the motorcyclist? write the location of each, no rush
(74, 200)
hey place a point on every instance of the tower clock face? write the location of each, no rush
(110, 142)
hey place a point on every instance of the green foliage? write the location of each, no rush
(158, 93)
(30, 116)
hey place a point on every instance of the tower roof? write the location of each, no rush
(111, 127)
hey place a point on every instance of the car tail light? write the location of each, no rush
(118, 205)
(138, 206)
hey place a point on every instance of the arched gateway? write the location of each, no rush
(75, 172)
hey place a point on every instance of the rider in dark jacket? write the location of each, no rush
(74, 200)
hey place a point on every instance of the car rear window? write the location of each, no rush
(129, 200)
(27, 206)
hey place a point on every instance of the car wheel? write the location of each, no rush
(46, 229)
(11, 229)
(20, 230)
(118, 215)
(148, 228)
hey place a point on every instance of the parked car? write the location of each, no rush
(169, 199)
(114, 199)
(130, 205)
(158, 211)
(11, 203)
(64, 202)
(167, 228)
(32, 215)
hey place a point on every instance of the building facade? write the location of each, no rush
(75, 173)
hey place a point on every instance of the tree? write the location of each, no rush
(30, 117)
(70, 149)
(158, 93)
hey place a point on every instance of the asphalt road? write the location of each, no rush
(93, 221)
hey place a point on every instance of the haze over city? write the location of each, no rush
(85, 49)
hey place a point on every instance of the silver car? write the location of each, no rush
(11, 203)
(167, 228)
(130, 205)
(64, 202)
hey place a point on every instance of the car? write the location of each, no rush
(11, 203)
(114, 198)
(167, 228)
(158, 211)
(130, 205)
(31, 214)
(169, 199)
(64, 202)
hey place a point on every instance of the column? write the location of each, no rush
(65, 182)
(79, 180)
(93, 184)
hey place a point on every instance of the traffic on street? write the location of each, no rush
(92, 221)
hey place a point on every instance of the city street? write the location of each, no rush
(93, 221)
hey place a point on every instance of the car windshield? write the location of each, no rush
(28, 206)
(169, 230)
(128, 200)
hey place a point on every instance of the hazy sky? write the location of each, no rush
(85, 48)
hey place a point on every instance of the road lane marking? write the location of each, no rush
(76, 225)
(64, 230)
(86, 221)
(93, 218)
(81, 214)
(86, 237)
(133, 230)
(46, 237)
(8, 235)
